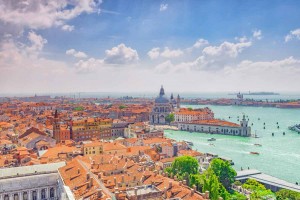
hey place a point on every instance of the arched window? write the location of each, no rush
(16, 197)
(52, 193)
(25, 196)
(43, 193)
(6, 197)
(34, 195)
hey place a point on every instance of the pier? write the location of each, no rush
(268, 181)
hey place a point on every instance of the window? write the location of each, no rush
(16, 197)
(25, 196)
(52, 193)
(43, 194)
(34, 195)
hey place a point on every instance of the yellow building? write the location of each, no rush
(93, 148)
(89, 128)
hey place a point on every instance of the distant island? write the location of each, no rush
(256, 93)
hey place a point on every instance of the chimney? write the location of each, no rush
(90, 183)
(220, 198)
(184, 182)
(192, 192)
(135, 191)
(206, 194)
(99, 193)
(134, 178)
(155, 172)
(170, 184)
(165, 193)
(180, 183)
(123, 180)
(78, 171)
(115, 181)
(175, 178)
(88, 176)
(194, 187)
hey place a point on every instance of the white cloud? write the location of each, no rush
(37, 42)
(200, 43)
(67, 28)
(163, 7)
(76, 54)
(168, 53)
(36, 14)
(257, 34)
(154, 53)
(293, 34)
(88, 66)
(121, 55)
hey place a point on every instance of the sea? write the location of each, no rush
(279, 155)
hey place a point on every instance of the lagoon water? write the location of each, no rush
(279, 154)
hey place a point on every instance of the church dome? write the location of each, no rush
(162, 98)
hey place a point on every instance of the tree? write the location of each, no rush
(184, 164)
(122, 107)
(190, 109)
(211, 184)
(170, 118)
(284, 194)
(224, 172)
(259, 191)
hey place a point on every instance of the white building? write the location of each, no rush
(32, 182)
(217, 126)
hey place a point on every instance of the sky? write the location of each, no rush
(138, 45)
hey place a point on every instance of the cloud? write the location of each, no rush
(294, 34)
(67, 28)
(200, 43)
(257, 34)
(88, 66)
(168, 53)
(37, 42)
(154, 53)
(36, 14)
(163, 7)
(121, 55)
(76, 54)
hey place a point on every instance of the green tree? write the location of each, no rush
(259, 191)
(185, 164)
(284, 194)
(122, 107)
(224, 172)
(170, 118)
(190, 109)
(211, 184)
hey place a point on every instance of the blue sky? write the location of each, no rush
(117, 45)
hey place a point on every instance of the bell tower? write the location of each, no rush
(56, 127)
(178, 101)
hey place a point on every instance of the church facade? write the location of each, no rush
(163, 106)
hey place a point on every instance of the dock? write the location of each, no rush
(268, 181)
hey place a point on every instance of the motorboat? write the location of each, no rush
(211, 139)
(259, 145)
(255, 153)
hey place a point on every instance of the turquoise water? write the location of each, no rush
(279, 154)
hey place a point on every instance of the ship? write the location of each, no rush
(295, 128)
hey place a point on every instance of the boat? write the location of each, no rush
(259, 145)
(295, 128)
(189, 143)
(211, 139)
(211, 144)
(255, 153)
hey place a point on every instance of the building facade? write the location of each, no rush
(188, 114)
(163, 107)
(217, 126)
(31, 182)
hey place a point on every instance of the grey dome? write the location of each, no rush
(162, 99)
